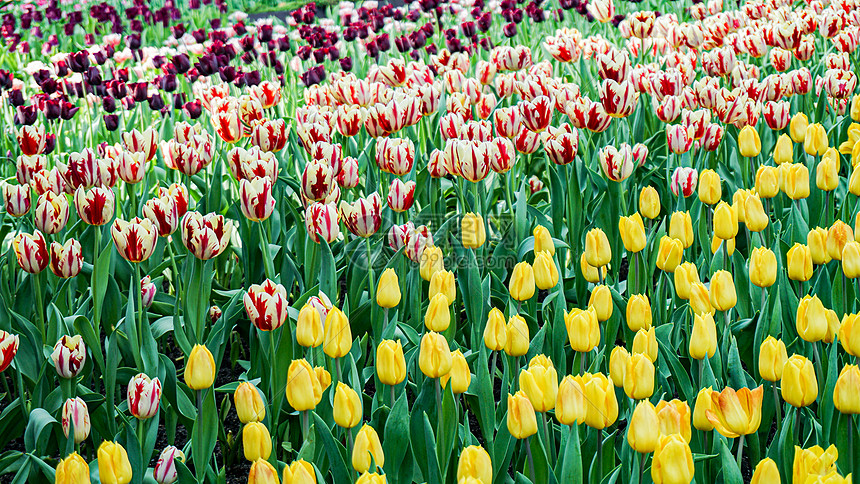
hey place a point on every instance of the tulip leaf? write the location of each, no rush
(571, 459)
(328, 269)
(448, 430)
(433, 472)
(334, 449)
(35, 437)
(731, 472)
(396, 436)
(204, 434)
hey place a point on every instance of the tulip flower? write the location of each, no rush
(589, 272)
(364, 216)
(749, 142)
(679, 139)
(815, 140)
(639, 377)
(723, 295)
(849, 334)
(8, 348)
(72, 470)
(669, 254)
(618, 359)
(811, 319)
(796, 181)
(495, 332)
(367, 445)
(754, 215)
(766, 182)
(95, 206)
(632, 233)
(762, 267)
(684, 181)
(473, 232)
(838, 236)
(346, 407)
(674, 418)
(438, 315)
(474, 463)
(598, 253)
(401, 195)
(638, 312)
(601, 301)
(249, 404)
(256, 200)
(522, 421)
(517, 337)
(543, 240)
(262, 473)
(444, 283)
(299, 472)
(390, 363)
(797, 127)
(205, 236)
(435, 355)
(816, 239)
(135, 239)
(388, 289)
(766, 472)
(69, 356)
(617, 164)
(256, 441)
(799, 384)
(309, 328)
(813, 462)
(735, 413)
(32, 139)
(673, 461)
(304, 389)
(570, 405)
(582, 329)
(337, 338)
(771, 359)
(685, 275)
(17, 202)
(827, 172)
(681, 228)
(114, 467)
(165, 468)
(725, 221)
(799, 262)
(75, 413)
(703, 339)
(31, 252)
(266, 305)
(200, 368)
(540, 383)
(545, 271)
(52, 212)
(322, 222)
(846, 391)
(649, 203)
(602, 407)
(144, 396)
(460, 376)
(643, 430)
(710, 190)
(703, 405)
(522, 282)
(783, 152)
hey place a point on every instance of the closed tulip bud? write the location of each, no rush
(703, 339)
(766, 182)
(249, 404)
(673, 461)
(700, 410)
(643, 430)
(337, 339)
(52, 211)
(76, 414)
(200, 368)
(685, 275)
(304, 390)
(299, 472)
(632, 232)
(853, 180)
(645, 342)
(256, 441)
(799, 262)
(816, 239)
(517, 337)
(783, 152)
(522, 421)
(72, 470)
(475, 466)
(649, 203)
(681, 228)
(851, 260)
(323, 377)
(266, 305)
(598, 253)
(849, 334)
(67, 260)
(618, 365)
(811, 319)
(540, 383)
(762, 267)
(725, 221)
(165, 468)
(700, 299)
(582, 329)
(543, 240)
(669, 254)
(855, 108)
(431, 262)
(589, 272)
(827, 174)
(69, 356)
(346, 407)
(570, 404)
(460, 375)
(144, 396)
(749, 141)
(710, 189)
(309, 328)
(95, 206)
(674, 417)
(739, 204)
(797, 181)
(31, 251)
(734, 413)
(839, 234)
(495, 332)
(766, 472)
(435, 355)
(638, 312)
(438, 316)
(797, 127)
(256, 200)
(388, 289)
(601, 301)
(815, 141)
(114, 467)
(545, 271)
(846, 393)
(262, 473)
(723, 295)
(367, 445)
(799, 384)
(473, 231)
(833, 325)
(522, 283)
(443, 282)
(371, 478)
(639, 377)
(390, 362)
(771, 359)
(754, 215)
(602, 407)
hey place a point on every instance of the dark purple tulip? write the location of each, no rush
(345, 64)
(313, 76)
(283, 43)
(372, 49)
(111, 122)
(178, 30)
(510, 30)
(468, 29)
(68, 110)
(178, 100)
(402, 44)
(109, 104)
(52, 109)
(193, 109)
(264, 33)
(167, 83)
(93, 76)
(79, 61)
(156, 102)
(383, 42)
(320, 55)
(181, 62)
(89, 39)
(304, 52)
(253, 78)
(227, 74)
(26, 115)
(239, 28)
(16, 97)
(140, 91)
(50, 143)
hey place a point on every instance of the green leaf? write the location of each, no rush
(571, 460)
(35, 438)
(204, 435)
(731, 472)
(334, 450)
(396, 436)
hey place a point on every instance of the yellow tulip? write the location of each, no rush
(300, 472)
(475, 463)
(522, 421)
(618, 365)
(710, 189)
(438, 315)
(304, 390)
(762, 267)
(388, 289)
(855, 108)
(543, 240)
(114, 467)
(855, 155)
(725, 221)
(443, 282)
(346, 407)
(649, 203)
(632, 231)
(545, 271)
(435, 356)
(601, 301)
(815, 142)
(337, 339)
(703, 339)
(673, 461)
(639, 377)
(847, 146)
(517, 338)
(431, 261)
(589, 272)
(754, 215)
(495, 332)
(669, 254)
(540, 383)
(799, 384)
(723, 295)
(645, 342)
(738, 204)
(811, 319)
(767, 181)
(367, 446)
(598, 253)
(638, 313)
(323, 378)
(256, 441)
(849, 334)
(766, 472)
(797, 127)
(262, 473)
(700, 411)
(846, 393)
(854, 181)
(700, 299)
(602, 407)
(749, 142)
(309, 328)
(812, 462)
(827, 173)
(582, 329)
(72, 470)
(839, 234)
(371, 478)
(522, 283)
(249, 404)
(570, 404)
(783, 152)
(816, 239)
(797, 181)
(799, 262)
(685, 275)
(200, 368)
(735, 413)
(771, 359)
(643, 430)
(390, 362)
(833, 324)
(681, 228)
(717, 244)
(674, 417)
(851, 259)
(460, 375)
(473, 231)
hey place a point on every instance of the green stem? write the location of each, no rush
(268, 265)
(777, 407)
(40, 306)
(740, 450)
(531, 459)
(97, 316)
(138, 308)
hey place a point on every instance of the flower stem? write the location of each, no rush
(740, 450)
(268, 265)
(531, 459)
(40, 306)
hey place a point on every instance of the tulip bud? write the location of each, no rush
(839, 234)
(390, 362)
(438, 316)
(643, 430)
(431, 262)
(816, 239)
(589, 272)
(725, 221)
(72, 470)
(681, 228)
(749, 141)
(75, 413)
(540, 383)
(522, 421)
(797, 127)
(256, 441)
(495, 332)
(522, 283)
(815, 141)
(799, 262)
(346, 407)
(474, 463)
(700, 299)
(266, 305)
(632, 232)
(435, 355)
(766, 182)
(672, 461)
(845, 393)
(114, 467)
(849, 335)
(601, 301)
(367, 446)
(723, 295)
(304, 390)
(762, 267)
(649, 202)
(766, 472)
(337, 339)
(645, 342)
(618, 365)
(165, 468)
(685, 275)
(460, 375)
(582, 329)
(473, 231)
(69, 356)
(8, 348)
(703, 339)
(602, 407)
(388, 289)
(570, 402)
(262, 473)
(144, 396)
(674, 418)
(249, 404)
(200, 368)
(827, 173)
(754, 215)
(710, 190)
(598, 253)
(669, 254)
(309, 328)
(324, 379)
(443, 282)
(300, 472)
(638, 312)
(639, 376)
(797, 181)
(545, 271)
(783, 151)
(517, 337)
(811, 319)
(31, 252)
(799, 384)
(543, 240)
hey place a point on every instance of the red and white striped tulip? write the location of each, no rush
(684, 181)
(322, 221)
(69, 356)
(617, 163)
(602, 10)
(256, 200)
(668, 109)
(395, 155)
(713, 137)
(52, 213)
(32, 139)
(163, 212)
(75, 413)
(252, 163)
(145, 142)
(527, 141)
(348, 176)
(562, 148)
(614, 65)
(640, 154)
(504, 155)
(266, 305)
(696, 122)
(144, 396)
(49, 181)
(95, 206)
(228, 125)
(147, 291)
(362, 217)
(507, 121)
(777, 114)
(401, 195)
(8, 348)
(27, 166)
(331, 153)
(537, 113)
(131, 166)
(267, 93)
(349, 119)
(179, 194)
(31, 252)
(317, 180)
(618, 98)
(165, 468)
(678, 138)
(16, 199)
(66, 259)
(206, 236)
(134, 239)
(270, 135)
